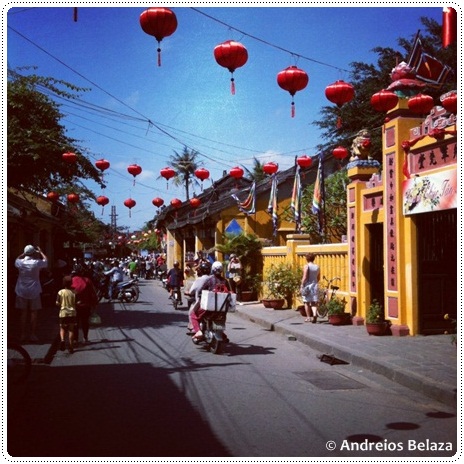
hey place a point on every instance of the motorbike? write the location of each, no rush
(213, 325)
(176, 297)
(161, 272)
(127, 291)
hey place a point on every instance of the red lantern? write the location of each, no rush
(135, 170)
(73, 198)
(292, 79)
(102, 201)
(176, 203)
(384, 101)
(158, 202)
(304, 161)
(69, 157)
(450, 102)
(421, 104)
(129, 203)
(340, 153)
(102, 164)
(53, 196)
(236, 172)
(167, 173)
(340, 92)
(160, 23)
(270, 168)
(231, 55)
(202, 174)
(195, 202)
(450, 26)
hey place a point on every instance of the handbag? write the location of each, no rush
(94, 319)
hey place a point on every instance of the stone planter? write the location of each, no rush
(273, 303)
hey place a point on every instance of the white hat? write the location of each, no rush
(29, 250)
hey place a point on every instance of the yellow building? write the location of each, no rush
(402, 232)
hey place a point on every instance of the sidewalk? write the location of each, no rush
(426, 364)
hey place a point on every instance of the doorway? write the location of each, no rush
(376, 267)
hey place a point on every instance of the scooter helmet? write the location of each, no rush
(216, 268)
(205, 268)
(176, 263)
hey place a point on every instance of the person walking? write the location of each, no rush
(86, 300)
(234, 273)
(310, 287)
(66, 301)
(28, 289)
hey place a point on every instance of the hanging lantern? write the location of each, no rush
(292, 79)
(384, 101)
(167, 173)
(195, 202)
(102, 201)
(176, 203)
(135, 170)
(102, 164)
(340, 153)
(340, 92)
(450, 26)
(449, 101)
(421, 104)
(270, 168)
(236, 172)
(157, 202)
(231, 55)
(73, 198)
(202, 174)
(53, 196)
(304, 161)
(69, 157)
(129, 203)
(160, 23)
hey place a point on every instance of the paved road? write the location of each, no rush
(142, 389)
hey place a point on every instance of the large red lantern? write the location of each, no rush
(384, 101)
(135, 170)
(73, 198)
(292, 79)
(421, 104)
(160, 23)
(53, 196)
(103, 165)
(304, 161)
(236, 172)
(176, 203)
(231, 55)
(129, 203)
(449, 101)
(167, 173)
(270, 168)
(450, 26)
(202, 174)
(157, 202)
(340, 153)
(195, 202)
(102, 201)
(340, 92)
(69, 157)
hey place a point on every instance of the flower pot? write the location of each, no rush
(247, 295)
(339, 319)
(378, 328)
(273, 303)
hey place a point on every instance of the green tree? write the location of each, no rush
(185, 164)
(335, 213)
(37, 138)
(256, 173)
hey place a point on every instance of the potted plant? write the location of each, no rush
(281, 283)
(336, 311)
(252, 286)
(376, 324)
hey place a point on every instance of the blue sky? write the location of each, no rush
(189, 96)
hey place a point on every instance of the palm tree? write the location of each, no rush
(256, 173)
(185, 165)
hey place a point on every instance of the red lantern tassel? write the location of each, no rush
(159, 56)
(103, 208)
(232, 86)
(293, 109)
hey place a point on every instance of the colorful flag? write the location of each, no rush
(428, 69)
(296, 199)
(272, 205)
(248, 206)
(318, 197)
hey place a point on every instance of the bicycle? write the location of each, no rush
(326, 294)
(19, 363)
